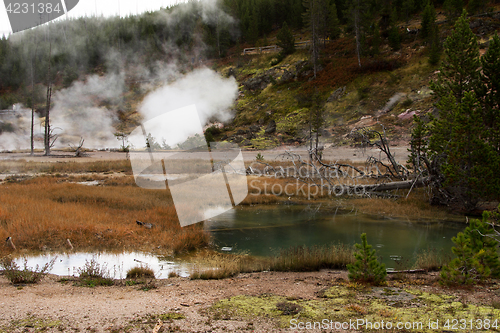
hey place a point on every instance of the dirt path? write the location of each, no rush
(71, 308)
(186, 305)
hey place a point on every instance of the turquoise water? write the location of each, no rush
(263, 230)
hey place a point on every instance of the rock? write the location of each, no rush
(408, 114)
(237, 138)
(475, 24)
(241, 132)
(287, 76)
(145, 224)
(254, 128)
(231, 72)
(246, 143)
(258, 82)
(271, 127)
(336, 94)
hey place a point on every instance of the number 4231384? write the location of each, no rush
(474, 324)
(40, 8)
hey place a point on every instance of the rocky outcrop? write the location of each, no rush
(271, 127)
(336, 94)
(258, 82)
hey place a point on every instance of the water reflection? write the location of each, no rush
(264, 230)
(117, 264)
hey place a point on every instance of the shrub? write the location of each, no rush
(289, 308)
(94, 274)
(140, 272)
(477, 256)
(366, 268)
(16, 275)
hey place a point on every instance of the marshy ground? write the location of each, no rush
(45, 201)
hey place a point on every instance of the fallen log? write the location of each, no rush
(408, 271)
(401, 185)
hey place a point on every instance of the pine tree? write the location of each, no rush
(376, 40)
(476, 6)
(470, 163)
(491, 81)
(453, 7)
(333, 22)
(366, 268)
(418, 145)
(428, 20)
(434, 47)
(477, 256)
(313, 18)
(360, 15)
(394, 35)
(286, 41)
(460, 71)
(464, 269)
(408, 7)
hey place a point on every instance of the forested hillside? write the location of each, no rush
(358, 61)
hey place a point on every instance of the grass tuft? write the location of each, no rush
(302, 259)
(432, 260)
(140, 272)
(16, 275)
(94, 274)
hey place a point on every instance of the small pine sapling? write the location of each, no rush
(366, 268)
(477, 256)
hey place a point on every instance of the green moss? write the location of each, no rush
(291, 122)
(171, 316)
(39, 324)
(342, 303)
(263, 142)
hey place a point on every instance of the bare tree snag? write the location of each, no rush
(9, 242)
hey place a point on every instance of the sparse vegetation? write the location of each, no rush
(94, 274)
(140, 272)
(301, 258)
(366, 268)
(18, 275)
(431, 260)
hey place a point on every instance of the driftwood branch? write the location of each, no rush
(408, 271)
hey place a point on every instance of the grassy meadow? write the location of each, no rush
(42, 213)
(42, 206)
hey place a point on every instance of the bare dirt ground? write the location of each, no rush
(128, 309)
(332, 153)
(55, 306)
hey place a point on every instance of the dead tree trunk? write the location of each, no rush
(47, 109)
(33, 61)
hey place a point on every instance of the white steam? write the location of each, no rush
(212, 94)
(82, 111)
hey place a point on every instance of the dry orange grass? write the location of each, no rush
(416, 206)
(42, 213)
(22, 166)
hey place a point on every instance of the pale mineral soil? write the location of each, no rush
(55, 306)
(342, 153)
